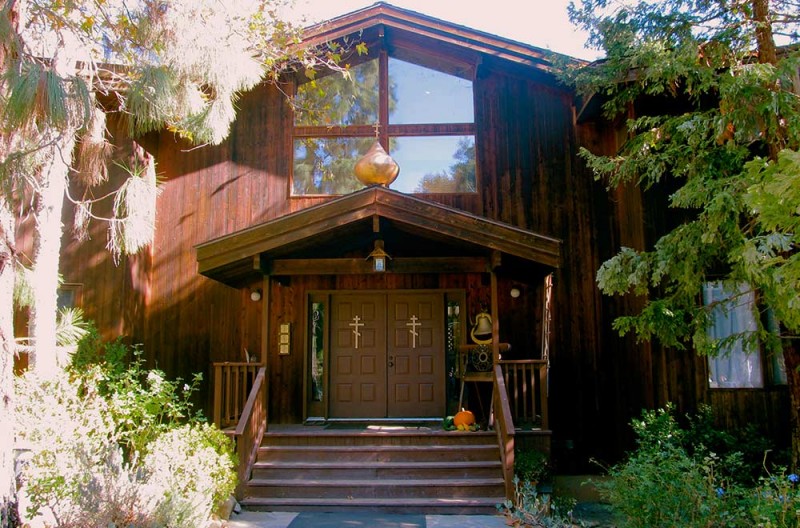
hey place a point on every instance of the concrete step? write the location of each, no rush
(463, 506)
(375, 469)
(379, 453)
(376, 488)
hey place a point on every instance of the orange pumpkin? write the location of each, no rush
(464, 418)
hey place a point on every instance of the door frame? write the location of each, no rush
(318, 411)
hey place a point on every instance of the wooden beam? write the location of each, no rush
(358, 266)
(495, 319)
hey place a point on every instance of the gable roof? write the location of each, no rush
(404, 28)
(330, 228)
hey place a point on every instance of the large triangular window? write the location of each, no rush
(424, 119)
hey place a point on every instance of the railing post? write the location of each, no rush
(217, 380)
(543, 394)
(504, 426)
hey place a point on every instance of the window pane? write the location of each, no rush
(317, 351)
(421, 95)
(325, 165)
(338, 100)
(435, 164)
(65, 298)
(737, 365)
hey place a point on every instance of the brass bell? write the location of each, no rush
(481, 332)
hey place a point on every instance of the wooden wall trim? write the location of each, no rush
(359, 266)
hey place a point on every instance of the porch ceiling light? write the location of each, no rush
(378, 257)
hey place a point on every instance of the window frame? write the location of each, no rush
(385, 130)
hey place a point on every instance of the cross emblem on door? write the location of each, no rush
(414, 323)
(356, 324)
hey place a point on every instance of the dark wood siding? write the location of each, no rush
(529, 176)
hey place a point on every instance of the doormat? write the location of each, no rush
(346, 426)
(384, 427)
(356, 520)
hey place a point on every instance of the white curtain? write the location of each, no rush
(737, 366)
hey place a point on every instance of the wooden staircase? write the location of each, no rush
(390, 469)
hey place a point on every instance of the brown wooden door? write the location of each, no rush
(387, 355)
(416, 378)
(358, 356)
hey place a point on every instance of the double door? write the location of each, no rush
(387, 355)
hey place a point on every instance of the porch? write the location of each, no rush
(347, 339)
(387, 465)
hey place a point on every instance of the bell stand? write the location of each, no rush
(464, 354)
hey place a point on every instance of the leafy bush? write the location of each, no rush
(113, 444)
(531, 509)
(143, 402)
(194, 462)
(532, 465)
(68, 430)
(674, 479)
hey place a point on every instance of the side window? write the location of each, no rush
(68, 295)
(738, 365)
(424, 119)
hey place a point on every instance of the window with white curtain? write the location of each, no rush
(733, 312)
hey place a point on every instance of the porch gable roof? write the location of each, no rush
(233, 258)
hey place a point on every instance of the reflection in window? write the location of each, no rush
(435, 164)
(738, 363)
(317, 350)
(429, 129)
(338, 100)
(428, 96)
(325, 165)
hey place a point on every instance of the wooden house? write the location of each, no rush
(264, 276)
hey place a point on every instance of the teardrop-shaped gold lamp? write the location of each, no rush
(376, 167)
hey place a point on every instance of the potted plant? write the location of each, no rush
(532, 465)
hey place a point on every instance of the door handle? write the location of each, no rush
(391, 361)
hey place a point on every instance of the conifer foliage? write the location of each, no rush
(712, 108)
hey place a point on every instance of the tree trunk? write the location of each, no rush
(47, 249)
(765, 40)
(768, 54)
(8, 491)
(9, 515)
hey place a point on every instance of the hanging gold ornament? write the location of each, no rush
(376, 167)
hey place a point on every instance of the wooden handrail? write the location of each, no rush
(250, 429)
(504, 427)
(232, 382)
(526, 381)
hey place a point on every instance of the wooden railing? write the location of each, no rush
(232, 385)
(526, 382)
(504, 427)
(251, 428)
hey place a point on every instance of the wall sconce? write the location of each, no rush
(255, 295)
(378, 257)
(514, 293)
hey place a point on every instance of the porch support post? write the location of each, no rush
(495, 309)
(265, 302)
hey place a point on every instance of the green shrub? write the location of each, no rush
(195, 463)
(113, 444)
(531, 509)
(532, 465)
(674, 478)
(144, 403)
